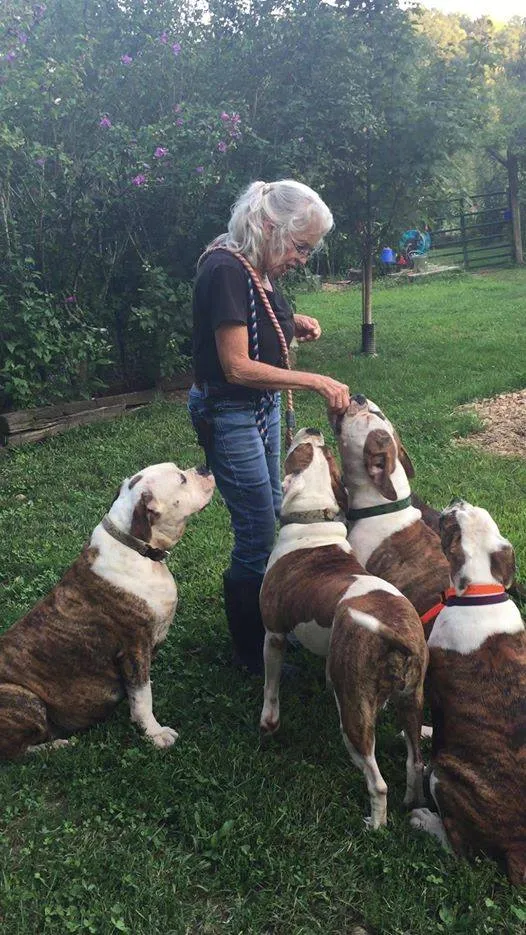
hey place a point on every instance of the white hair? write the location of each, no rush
(290, 207)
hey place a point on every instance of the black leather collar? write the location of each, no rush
(138, 545)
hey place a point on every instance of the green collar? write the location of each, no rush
(379, 510)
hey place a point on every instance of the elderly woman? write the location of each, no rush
(238, 363)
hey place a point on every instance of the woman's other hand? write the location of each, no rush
(306, 328)
(336, 394)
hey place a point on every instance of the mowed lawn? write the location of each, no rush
(224, 833)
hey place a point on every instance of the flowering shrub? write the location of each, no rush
(107, 159)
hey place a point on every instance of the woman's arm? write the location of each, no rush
(232, 348)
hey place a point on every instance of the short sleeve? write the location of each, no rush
(227, 295)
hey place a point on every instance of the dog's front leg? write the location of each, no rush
(136, 676)
(273, 653)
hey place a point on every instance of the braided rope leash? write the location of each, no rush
(290, 415)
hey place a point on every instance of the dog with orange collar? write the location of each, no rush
(477, 673)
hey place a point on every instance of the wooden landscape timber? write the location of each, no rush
(23, 426)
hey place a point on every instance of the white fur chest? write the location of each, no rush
(310, 536)
(151, 582)
(366, 535)
(465, 629)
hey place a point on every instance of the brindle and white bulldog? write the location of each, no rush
(386, 531)
(370, 633)
(89, 642)
(477, 674)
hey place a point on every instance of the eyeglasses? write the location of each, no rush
(303, 249)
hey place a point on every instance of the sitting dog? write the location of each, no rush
(89, 642)
(386, 531)
(372, 636)
(477, 674)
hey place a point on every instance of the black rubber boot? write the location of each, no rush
(244, 620)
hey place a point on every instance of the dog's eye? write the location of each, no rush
(183, 479)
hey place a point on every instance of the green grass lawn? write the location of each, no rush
(222, 833)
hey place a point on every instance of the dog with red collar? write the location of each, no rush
(477, 674)
(386, 531)
(89, 643)
(371, 635)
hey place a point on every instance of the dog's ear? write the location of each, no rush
(379, 456)
(502, 564)
(145, 514)
(451, 542)
(299, 458)
(404, 458)
(292, 485)
(338, 489)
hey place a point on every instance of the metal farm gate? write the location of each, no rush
(474, 230)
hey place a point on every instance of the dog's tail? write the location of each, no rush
(516, 863)
(398, 641)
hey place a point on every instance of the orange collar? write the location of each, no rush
(474, 590)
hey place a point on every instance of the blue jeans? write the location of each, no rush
(247, 476)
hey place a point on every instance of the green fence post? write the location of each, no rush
(463, 234)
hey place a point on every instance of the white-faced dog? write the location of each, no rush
(370, 633)
(386, 532)
(89, 642)
(477, 679)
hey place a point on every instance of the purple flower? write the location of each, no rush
(126, 59)
(22, 37)
(105, 122)
(11, 55)
(39, 10)
(139, 180)
(224, 116)
(177, 108)
(179, 122)
(176, 48)
(222, 147)
(199, 169)
(40, 162)
(163, 37)
(70, 299)
(160, 152)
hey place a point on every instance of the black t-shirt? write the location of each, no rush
(221, 295)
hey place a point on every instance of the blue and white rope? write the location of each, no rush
(267, 396)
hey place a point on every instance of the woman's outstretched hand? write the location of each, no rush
(306, 328)
(336, 394)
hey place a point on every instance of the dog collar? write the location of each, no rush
(476, 595)
(309, 516)
(138, 545)
(368, 511)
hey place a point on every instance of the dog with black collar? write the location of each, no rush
(89, 643)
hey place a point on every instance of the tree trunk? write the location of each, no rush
(368, 338)
(513, 180)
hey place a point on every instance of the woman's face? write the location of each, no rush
(297, 252)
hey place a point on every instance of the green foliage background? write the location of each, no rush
(127, 129)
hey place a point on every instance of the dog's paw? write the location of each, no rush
(267, 726)
(426, 732)
(164, 737)
(422, 819)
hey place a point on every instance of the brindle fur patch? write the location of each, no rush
(299, 459)
(379, 455)
(338, 489)
(479, 747)
(306, 585)
(451, 539)
(67, 663)
(502, 564)
(413, 561)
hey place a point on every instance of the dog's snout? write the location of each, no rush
(311, 431)
(203, 470)
(456, 501)
(359, 399)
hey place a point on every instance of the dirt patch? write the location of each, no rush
(504, 419)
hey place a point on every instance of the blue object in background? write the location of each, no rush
(387, 255)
